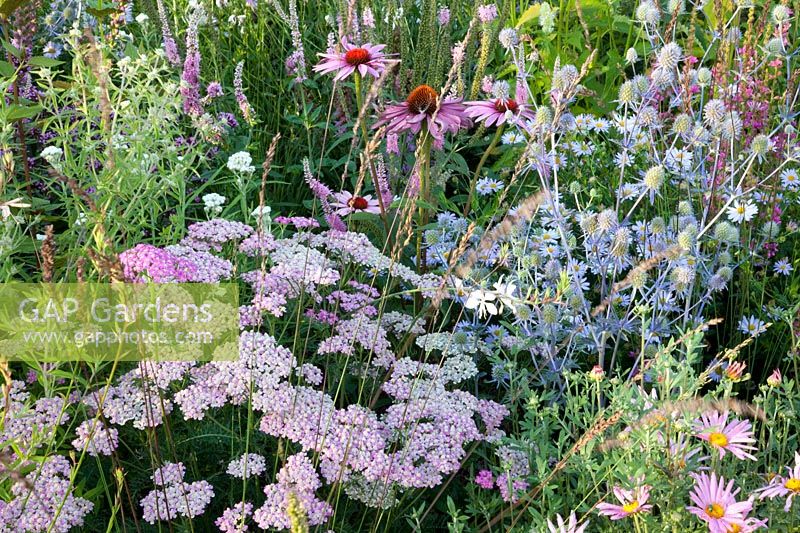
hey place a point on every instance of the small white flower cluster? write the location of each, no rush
(52, 154)
(213, 204)
(241, 163)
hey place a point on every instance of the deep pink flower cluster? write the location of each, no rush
(145, 262)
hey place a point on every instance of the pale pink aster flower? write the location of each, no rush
(366, 59)
(566, 526)
(347, 203)
(421, 107)
(734, 436)
(780, 486)
(633, 501)
(498, 111)
(715, 503)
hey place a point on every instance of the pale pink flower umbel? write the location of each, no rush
(498, 111)
(346, 203)
(715, 503)
(421, 108)
(735, 436)
(366, 59)
(632, 502)
(566, 526)
(781, 486)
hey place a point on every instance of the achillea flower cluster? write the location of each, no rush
(249, 464)
(174, 497)
(95, 438)
(145, 262)
(299, 478)
(44, 501)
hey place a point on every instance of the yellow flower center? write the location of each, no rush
(631, 507)
(735, 528)
(793, 484)
(715, 510)
(718, 439)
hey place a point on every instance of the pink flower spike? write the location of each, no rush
(632, 502)
(366, 59)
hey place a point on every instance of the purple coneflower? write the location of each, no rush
(347, 203)
(366, 59)
(734, 437)
(419, 107)
(780, 486)
(633, 502)
(715, 503)
(498, 111)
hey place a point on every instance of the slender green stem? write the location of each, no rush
(372, 170)
(478, 169)
(424, 195)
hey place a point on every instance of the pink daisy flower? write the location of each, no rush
(421, 107)
(367, 59)
(780, 486)
(346, 203)
(715, 504)
(633, 501)
(734, 436)
(566, 526)
(498, 111)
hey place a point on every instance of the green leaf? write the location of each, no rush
(18, 112)
(529, 14)
(11, 49)
(7, 69)
(41, 61)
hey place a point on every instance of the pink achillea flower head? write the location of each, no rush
(484, 479)
(715, 503)
(347, 203)
(632, 502)
(735, 436)
(497, 112)
(366, 59)
(421, 107)
(566, 526)
(780, 486)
